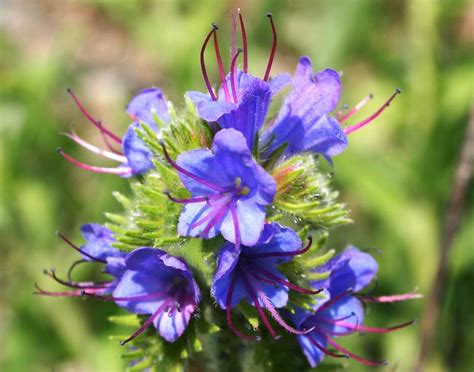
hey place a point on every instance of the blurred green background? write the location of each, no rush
(395, 176)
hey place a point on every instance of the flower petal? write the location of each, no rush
(208, 109)
(99, 241)
(171, 327)
(147, 102)
(279, 82)
(139, 156)
(313, 354)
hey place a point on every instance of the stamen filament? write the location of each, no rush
(198, 199)
(151, 296)
(75, 247)
(189, 174)
(355, 108)
(244, 41)
(287, 283)
(92, 168)
(232, 76)
(146, 324)
(99, 125)
(272, 53)
(235, 220)
(203, 64)
(324, 350)
(217, 217)
(110, 155)
(393, 298)
(335, 299)
(362, 328)
(79, 285)
(221, 68)
(41, 292)
(357, 358)
(73, 266)
(352, 128)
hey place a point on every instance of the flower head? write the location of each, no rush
(251, 274)
(161, 285)
(229, 190)
(97, 249)
(135, 157)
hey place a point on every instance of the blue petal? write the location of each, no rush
(249, 115)
(348, 307)
(313, 354)
(171, 327)
(349, 269)
(99, 241)
(142, 106)
(139, 156)
(208, 109)
(279, 82)
(192, 213)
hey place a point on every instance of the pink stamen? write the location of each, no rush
(75, 247)
(217, 217)
(281, 254)
(217, 209)
(203, 64)
(110, 155)
(151, 296)
(107, 143)
(355, 108)
(287, 283)
(357, 358)
(393, 298)
(259, 308)
(352, 128)
(324, 350)
(341, 111)
(221, 67)
(244, 41)
(75, 293)
(189, 174)
(94, 169)
(232, 76)
(362, 328)
(99, 125)
(146, 324)
(335, 299)
(228, 310)
(272, 53)
(233, 44)
(79, 285)
(274, 313)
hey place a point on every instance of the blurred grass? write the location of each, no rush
(395, 176)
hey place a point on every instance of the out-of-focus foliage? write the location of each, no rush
(395, 176)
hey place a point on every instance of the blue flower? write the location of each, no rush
(96, 249)
(304, 122)
(161, 285)
(251, 274)
(341, 313)
(243, 100)
(229, 190)
(136, 157)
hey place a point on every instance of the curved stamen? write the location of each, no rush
(287, 283)
(352, 128)
(355, 108)
(232, 76)
(73, 266)
(244, 41)
(75, 247)
(272, 53)
(217, 217)
(324, 350)
(151, 296)
(233, 41)
(393, 298)
(41, 292)
(203, 64)
(146, 324)
(211, 215)
(106, 141)
(221, 67)
(228, 310)
(189, 174)
(281, 254)
(362, 328)
(275, 315)
(106, 154)
(99, 125)
(79, 285)
(92, 168)
(259, 308)
(198, 199)
(264, 280)
(357, 358)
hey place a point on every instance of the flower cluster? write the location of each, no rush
(225, 193)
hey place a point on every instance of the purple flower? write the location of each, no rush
(304, 122)
(161, 285)
(251, 274)
(229, 190)
(97, 249)
(342, 312)
(135, 158)
(243, 100)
